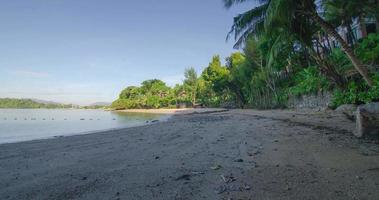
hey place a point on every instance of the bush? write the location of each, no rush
(308, 81)
(357, 93)
(368, 49)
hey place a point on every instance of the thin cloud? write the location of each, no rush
(173, 80)
(29, 73)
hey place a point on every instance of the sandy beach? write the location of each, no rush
(174, 111)
(219, 154)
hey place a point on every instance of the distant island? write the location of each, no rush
(30, 103)
(37, 103)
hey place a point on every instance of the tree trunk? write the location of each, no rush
(351, 35)
(362, 25)
(329, 29)
(329, 70)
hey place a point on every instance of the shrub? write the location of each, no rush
(368, 49)
(308, 81)
(357, 93)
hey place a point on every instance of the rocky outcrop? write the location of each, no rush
(349, 110)
(367, 120)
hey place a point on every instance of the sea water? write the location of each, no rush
(29, 124)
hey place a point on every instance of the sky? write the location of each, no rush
(85, 51)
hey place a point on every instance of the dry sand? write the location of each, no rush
(237, 154)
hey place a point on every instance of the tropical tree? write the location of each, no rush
(234, 64)
(191, 83)
(289, 17)
(216, 75)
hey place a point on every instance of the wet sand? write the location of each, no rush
(237, 154)
(174, 111)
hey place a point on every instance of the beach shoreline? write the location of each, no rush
(174, 111)
(238, 154)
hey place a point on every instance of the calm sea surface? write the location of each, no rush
(29, 124)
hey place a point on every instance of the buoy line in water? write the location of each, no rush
(52, 119)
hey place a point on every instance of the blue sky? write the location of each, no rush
(84, 51)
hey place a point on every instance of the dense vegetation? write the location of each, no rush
(289, 48)
(28, 103)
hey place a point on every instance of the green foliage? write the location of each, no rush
(340, 61)
(368, 49)
(357, 93)
(308, 81)
(152, 94)
(216, 74)
(191, 84)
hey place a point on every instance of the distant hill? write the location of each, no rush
(97, 105)
(46, 102)
(29, 103)
(101, 104)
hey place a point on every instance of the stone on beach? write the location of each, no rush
(367, 120)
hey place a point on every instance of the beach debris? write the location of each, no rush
(81, 119)
(153, 121)
(373, 169)
(359, 177)
(114, 119)
(288, 187)
(228, 179)
(238, 160)
(84, 178)
(197, 173)
(254, 152)
(156, 157)
(216, 167)
(247, 187)
(184, 177)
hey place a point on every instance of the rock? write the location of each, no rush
(216, 167)
(238, 160)
(247, 187)
(367, 122)
(184, 177)
(348, 110)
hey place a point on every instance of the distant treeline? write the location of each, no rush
(28, 103)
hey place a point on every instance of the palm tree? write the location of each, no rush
(291, 17)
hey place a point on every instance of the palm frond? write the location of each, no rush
(245, 24)
(230, 3)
